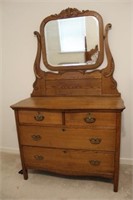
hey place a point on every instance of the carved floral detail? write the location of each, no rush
(70, 12)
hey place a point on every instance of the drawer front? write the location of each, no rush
(39, 117)
(72, 162)
(68, 138)
(92, 119)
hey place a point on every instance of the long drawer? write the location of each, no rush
(72, 162)
(92, 119)
(39, 117)
(68, 138)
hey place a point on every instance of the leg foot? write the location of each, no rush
(25, 173)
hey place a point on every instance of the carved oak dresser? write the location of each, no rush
(71, 124)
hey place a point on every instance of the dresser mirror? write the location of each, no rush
(72, 39)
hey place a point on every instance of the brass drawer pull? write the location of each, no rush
(95, 162)
(36, 137)
(38, 157)
(39, 117)
(89, 119)
(95, 140)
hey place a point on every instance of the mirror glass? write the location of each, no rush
(72, 41)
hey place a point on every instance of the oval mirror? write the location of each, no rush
(72, 40)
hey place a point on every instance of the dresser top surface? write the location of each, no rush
(64, 103)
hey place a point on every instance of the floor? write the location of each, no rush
(44, 186)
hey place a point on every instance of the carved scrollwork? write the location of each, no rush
(37, 69)
(108, 82)
(71, 12)
(108, 71)
(39, 74)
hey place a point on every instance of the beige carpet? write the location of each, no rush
(44, 186)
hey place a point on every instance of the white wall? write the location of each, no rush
(0, 70)
(21, 17)
(131, 77)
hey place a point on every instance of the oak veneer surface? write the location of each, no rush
(112, 103)
(70, 138)
(71, 162)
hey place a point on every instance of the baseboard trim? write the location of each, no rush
(126, 161)
(9, 150)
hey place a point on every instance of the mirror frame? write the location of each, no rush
(70, 13)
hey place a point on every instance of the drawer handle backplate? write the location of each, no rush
(89, 119)
(38, 157)
(95, 162)
(39, 117)
(36, 137)
(95, 140)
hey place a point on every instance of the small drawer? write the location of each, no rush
(68, 138)
(39, 117)
(92, 119)
(69, 162)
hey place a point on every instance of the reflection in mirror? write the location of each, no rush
(72, 41)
